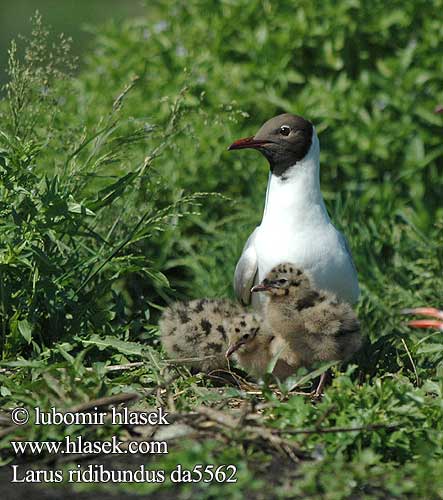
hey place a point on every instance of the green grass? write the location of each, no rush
(117, 195)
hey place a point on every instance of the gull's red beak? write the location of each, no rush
(247, 142)
(426, 323)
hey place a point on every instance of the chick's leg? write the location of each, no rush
(319, 391)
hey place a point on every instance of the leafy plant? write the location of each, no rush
(64, 246)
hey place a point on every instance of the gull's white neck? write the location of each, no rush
(295, 198)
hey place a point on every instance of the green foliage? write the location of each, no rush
(64, 244)
(97, 171)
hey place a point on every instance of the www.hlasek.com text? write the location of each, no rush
(79, 445)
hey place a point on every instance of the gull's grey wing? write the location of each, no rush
(246, 271)
(345, 244)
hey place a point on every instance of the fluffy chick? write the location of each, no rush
(196, 330)
(205, 333)
(253, 346)
(314, 323)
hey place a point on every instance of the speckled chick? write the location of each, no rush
(314, 323)
(253, 346)
(196, 330)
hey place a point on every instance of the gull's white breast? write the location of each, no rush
(321, 251)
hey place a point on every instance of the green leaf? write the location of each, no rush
(430, 348)
(23, 363)
(108, 194)
(122, 346)
(78, 208)
(4, 391)
(25, 328)
(292, 383)
(274, 360)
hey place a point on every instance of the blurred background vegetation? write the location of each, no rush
(69, 17)
(106, 166)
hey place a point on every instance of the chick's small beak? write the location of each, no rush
(247, 143)
(232, 348)
(261, 287)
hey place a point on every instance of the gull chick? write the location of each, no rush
(314, 323)
(195, 332)
(205, 333)
(254, 347)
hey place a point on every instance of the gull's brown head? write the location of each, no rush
(283, 140)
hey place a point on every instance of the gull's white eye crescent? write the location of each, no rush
(285, 130)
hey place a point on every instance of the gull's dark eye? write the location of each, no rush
(246, 336)
(285, 130)
(283, 280)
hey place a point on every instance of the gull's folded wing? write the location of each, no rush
(354, 285)
(246, 271)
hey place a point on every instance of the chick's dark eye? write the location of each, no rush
(285, 130)
(283, 280)
(246, 336)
